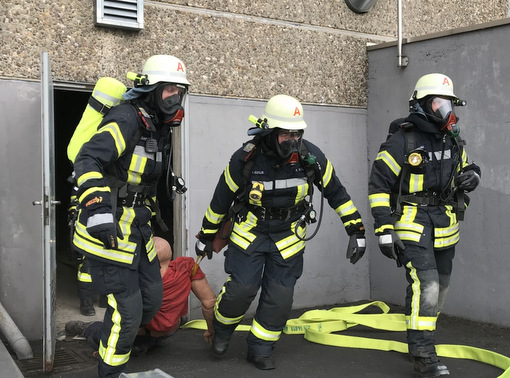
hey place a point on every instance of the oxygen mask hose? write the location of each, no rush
(309, 216)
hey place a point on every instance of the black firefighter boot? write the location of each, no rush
(425, 367)
(87, 307)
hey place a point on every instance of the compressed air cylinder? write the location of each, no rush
(108, 91)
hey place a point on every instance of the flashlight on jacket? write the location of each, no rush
(417, 157)
(256, 191)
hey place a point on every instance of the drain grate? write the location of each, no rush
(64, 358)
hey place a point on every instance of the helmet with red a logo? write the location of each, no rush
(165, 69)
(433, 96)
(284, 112)
(435, 84)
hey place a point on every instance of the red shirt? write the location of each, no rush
(176, 288)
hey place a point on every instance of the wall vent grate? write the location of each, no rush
(124, 14)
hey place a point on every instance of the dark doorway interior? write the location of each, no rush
(69, 106)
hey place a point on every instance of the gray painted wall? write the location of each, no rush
(477, 62)
(218, 126)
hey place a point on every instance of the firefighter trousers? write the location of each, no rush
(262, 268)
(134, 297)
(428, 272)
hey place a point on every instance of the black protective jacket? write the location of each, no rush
(444, 156)
(105, 162)
(283, 201)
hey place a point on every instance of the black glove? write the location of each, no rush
(103, 227)
(468, 180)
(387, 243)
(356, 247)
(101, 224)
(204, 246)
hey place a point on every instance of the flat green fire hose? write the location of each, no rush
(318, 326)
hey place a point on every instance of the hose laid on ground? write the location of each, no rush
(317, 326)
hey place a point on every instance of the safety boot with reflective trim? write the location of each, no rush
(261, 362)
(425, 367)
(219, 345)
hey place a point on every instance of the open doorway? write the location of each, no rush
(69, 104)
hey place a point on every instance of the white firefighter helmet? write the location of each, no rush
(165, 68)
(434, 84)
(284, 112)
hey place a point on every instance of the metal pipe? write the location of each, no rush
(402, 60)
(16, 340)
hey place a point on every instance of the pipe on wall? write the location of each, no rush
(402, 60)
(16, 340)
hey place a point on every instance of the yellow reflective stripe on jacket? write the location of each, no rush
(389, 161)
(83, 276)
(320, 326)
(151, 250)
(107, 352)
(379, 199)
(104, 189)
(263, 333)
(383, 228)
(93, 175)
(214, 218)
(291, 245)
(116, 134)
(328, 174)
(137, 165)
(406, 228)
(302, 191)
(346, 208)
(229, 180)
(241, 234)
(83, 241)
(447, 236)
(415, 183)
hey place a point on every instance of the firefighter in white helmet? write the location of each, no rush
(264, 193)
(117, 173)
(424, 165)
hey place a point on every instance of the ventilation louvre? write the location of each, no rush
(124, 14)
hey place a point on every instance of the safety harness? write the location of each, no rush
(426, 197)
(305, 207)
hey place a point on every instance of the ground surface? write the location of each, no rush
(186, 355)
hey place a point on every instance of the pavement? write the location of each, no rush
(187, 355)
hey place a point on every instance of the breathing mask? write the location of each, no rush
(287, 143)
(440, 110)
(170, 109)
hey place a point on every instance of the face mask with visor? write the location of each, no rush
(440, 110)
(171, 107)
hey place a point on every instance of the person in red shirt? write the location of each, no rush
(178, 280)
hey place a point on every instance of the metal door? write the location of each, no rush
(48, 204)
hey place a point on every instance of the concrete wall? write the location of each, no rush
(314, 51)
(477, 62)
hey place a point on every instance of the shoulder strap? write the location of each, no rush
(410, 143)
(250, 148)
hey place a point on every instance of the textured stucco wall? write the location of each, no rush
(314, 50)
